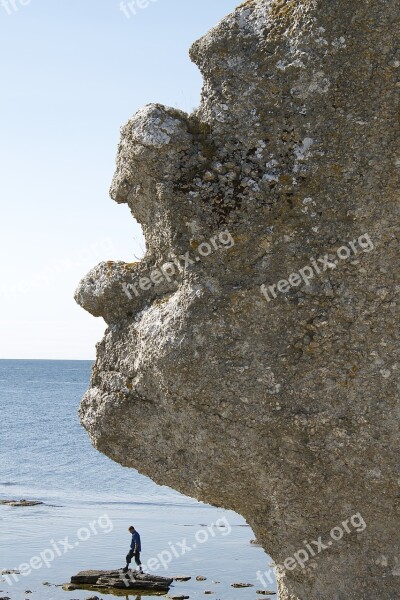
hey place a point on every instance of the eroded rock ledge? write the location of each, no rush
(282, 408)
(117, 580)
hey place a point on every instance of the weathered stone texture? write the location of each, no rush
(284, 410)
(117, 580)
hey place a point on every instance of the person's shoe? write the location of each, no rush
(125, 569)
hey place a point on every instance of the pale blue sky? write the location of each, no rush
(72, 72)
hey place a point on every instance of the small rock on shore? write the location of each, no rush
(10, 572)
(117, 579)
(20, 502)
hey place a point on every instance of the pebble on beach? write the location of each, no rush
(242, 585)
(266, 592)
(201, 578)
(182, 578)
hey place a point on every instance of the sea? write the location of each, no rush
(89, 502)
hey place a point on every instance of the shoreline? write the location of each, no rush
(226, 556)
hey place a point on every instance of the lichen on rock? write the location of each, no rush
(283, 408)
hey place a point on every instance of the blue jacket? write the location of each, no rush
(136, 541)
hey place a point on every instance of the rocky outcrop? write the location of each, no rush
(117, 580)
(251, 358)
(16, 503)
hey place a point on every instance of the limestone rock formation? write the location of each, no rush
(117, 580)
(251, 358)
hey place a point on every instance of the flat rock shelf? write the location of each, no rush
(118, 580)
(20, 502)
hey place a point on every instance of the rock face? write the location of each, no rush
(279, 402)
(122, 581)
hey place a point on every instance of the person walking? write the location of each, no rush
(135, 550)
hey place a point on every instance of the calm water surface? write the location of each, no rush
(90, 501)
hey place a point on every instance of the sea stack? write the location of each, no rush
(251, 358)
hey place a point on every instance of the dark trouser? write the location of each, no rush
(132, 554)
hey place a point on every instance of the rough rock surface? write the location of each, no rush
(118, 580)
(284, 409)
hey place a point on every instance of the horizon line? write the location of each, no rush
(54, 359)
